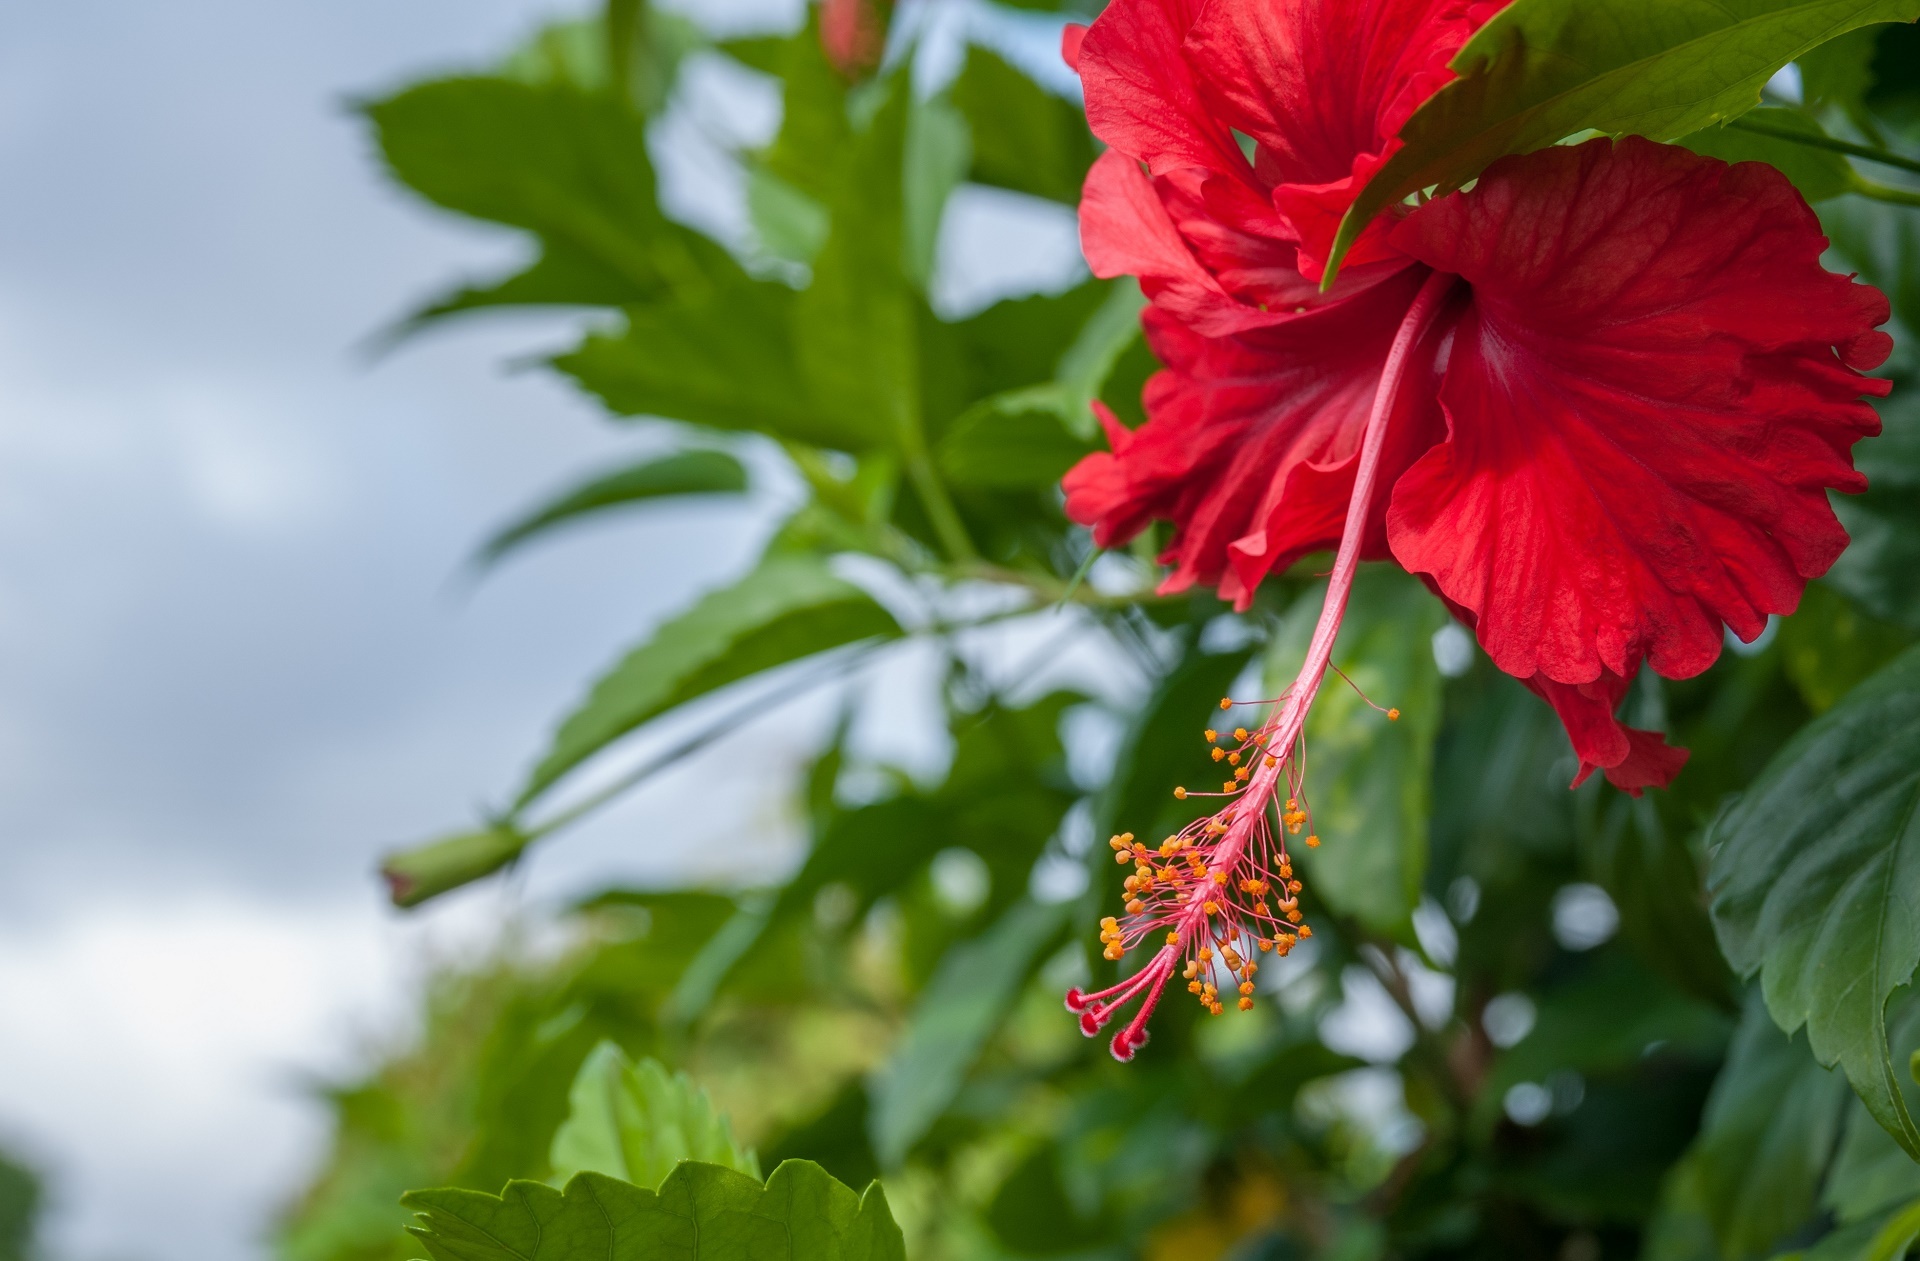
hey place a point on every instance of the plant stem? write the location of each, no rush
(933, 495)
(1884, 157)
(1876, 191)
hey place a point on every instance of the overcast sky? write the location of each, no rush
(235, 664)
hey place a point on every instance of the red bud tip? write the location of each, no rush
(1076, 1001)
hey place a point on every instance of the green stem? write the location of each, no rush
(1877, 191)
(1884, 157)
(933, 494)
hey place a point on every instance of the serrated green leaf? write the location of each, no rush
(1871, 1174)
(636, 1121)
(1819, 174)
(1368, 778)
(966, 1001)
(682, 473)
(701, 1213)
(786, 609)
(568, 165)
(1542, 70)
(1024, 137)
(1815, 877)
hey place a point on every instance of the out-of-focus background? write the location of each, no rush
(240, 650)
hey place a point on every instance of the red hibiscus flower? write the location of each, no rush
(1616, 426)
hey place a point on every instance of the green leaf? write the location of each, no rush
(426, 871)
(701, 1213)
(568, 165)
(1871, 1175)
(1367, 777)
(683, 473)
(1819, 174)
(1830, 645)
(788, 608)
(1766, 1138)
(1012, 441)
(934, 163)
(1542, 70)
(968, 998)
(636, 1122)
(1814, 876)
(1024, 137)
(1655, 880)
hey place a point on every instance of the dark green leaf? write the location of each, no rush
(1766, 1139)
(701, 1213)
(1368, 777)
(1024, 137)
(1879, 568)
(1871, 1175)
(1814, 876)
(1656, 882)
(788, 608)
(1541, 70)
(636, 1122)
(683, 473)
(968, 998)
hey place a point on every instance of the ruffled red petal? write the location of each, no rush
(1632, 760)
(1251, 441)
(1646, 405)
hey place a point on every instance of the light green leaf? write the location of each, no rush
(790, 224)
(968, 998)
(1542, 70)
(1815, 877)
(1819, 174)
(701, 1213)
(1871, 1175)
(1367, 777)
(934, 163)
(1024, 137)
(682, 473)
(788, 608)
(636, 1122)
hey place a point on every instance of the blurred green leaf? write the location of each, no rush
(1011, 441)
(968, 998)
(701, 1213)
(1830, 645)
(20, 1202)
(1368, 777)
(1024, 137)
(682, 473)
(790, 224)
(426, 871)
(1656, 882)
(1813, 875)
(934, 163)
(786, 609)
(1766, 1139)
(636, 1121)
(1541, 70)
(1819, 174)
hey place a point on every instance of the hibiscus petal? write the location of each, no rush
(1632, 759)
(1646, 404)
(1141, 95)
(1324, 86)
(1251, 440)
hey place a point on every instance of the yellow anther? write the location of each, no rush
(1212, 735)
(1240, 733)
(1193, 987)
(1266, 944)
(1173, 939)
(1313, 842)
(1110, 923)
(1292, 804)
(1113, 951)
(1293, 916)
(1246, 1004)
(1215, 1009)
(1211, 908)
(1219, 877)
(1228, 786)
(1116, 843)
(1180, 794)
(1218, 753)
(1242, 773)
(1233, 759)
(1260, 908)
(1206, 954)
(1393, 715)
(1123, 858)
(1225, 703)
(1192, 970)
(1286, 871)
(1271, 763)
(1305, 931)
(1136, 906)
(1246, 987)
